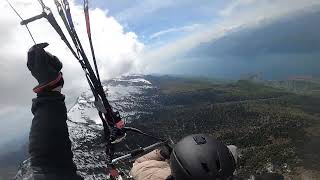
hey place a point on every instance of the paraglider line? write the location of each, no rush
(21, 20)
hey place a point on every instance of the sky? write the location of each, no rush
(156, 36)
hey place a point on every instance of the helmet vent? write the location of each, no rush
(200, 140)
(205, 167)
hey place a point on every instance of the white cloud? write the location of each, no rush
(240, 14)
(234, 5)
(188, 28)
(116, 50)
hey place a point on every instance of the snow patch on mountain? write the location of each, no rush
(122, 93)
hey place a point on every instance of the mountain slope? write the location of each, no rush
(275, 129)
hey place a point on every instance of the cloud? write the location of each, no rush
(231, 7)
(279, 49)
(14, 124)
(188, 28)
(251, 14)
(116, 51)
(294, 34)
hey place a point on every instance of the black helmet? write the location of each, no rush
(201, 157)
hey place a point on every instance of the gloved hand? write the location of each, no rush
(151, 166)
(45, 68)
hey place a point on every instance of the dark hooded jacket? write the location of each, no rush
(49, 143)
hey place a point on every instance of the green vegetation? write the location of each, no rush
(268, 123)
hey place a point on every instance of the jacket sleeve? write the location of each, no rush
(49, 143)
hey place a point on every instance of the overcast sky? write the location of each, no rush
(129, 36)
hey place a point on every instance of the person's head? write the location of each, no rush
(201, 157)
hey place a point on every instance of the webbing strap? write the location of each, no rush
(68, 13)
(42, 4)
(63, 17)
(87, 17)
(56, 26)
(86, 13)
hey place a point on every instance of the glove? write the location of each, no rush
(45, 68)
(151, 166)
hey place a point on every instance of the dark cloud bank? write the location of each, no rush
(278, 49)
